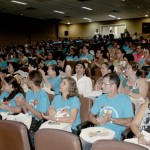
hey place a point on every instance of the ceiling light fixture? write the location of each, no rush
(60, 12)
(68, 23)
(118, 18)
(19, 2)
(88, 19)
(112, 16)
(87, 8)
(146, 15)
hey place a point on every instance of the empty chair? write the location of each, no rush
(115, 145)
(13, 136)
(46, 139)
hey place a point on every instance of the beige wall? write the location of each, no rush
(85, 30)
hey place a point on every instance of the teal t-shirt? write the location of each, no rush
(120, 107)
(50, 62)
(12, 102)
(86, 57)
(71, 58)
(39, 101)
(66, 106)
(55, 82)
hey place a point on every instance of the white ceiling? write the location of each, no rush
(43, 9)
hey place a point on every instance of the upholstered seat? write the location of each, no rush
(46, 139)
(13, 136)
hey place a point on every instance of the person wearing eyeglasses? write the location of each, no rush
(111, 110)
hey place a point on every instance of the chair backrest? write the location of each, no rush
(51, 97)
(86, 104)
(97, 73)
(13, 136)
(88, 72)
(72, 65)
(115, 145)
(54, 139)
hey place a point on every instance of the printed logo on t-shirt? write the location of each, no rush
(108, 110)
(63, 112)
(33, 103)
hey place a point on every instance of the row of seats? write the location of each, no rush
(14, 136)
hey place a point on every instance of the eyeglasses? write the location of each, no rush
(107, 83)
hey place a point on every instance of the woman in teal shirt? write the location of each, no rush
(66, 107)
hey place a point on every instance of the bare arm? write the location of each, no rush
(45, 79)
(26, 107)
(107, 118)
(70, 119)
(136, 123)
(92, 118)
(14, 109)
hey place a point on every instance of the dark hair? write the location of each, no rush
(73, 90)
(109, 66)
(17, 88)
(15, 66)
(122, 51)
(113, 77)
(62, 58)
(80, 63)
(33, 63)
(55, 68)
(36, 77)
(129, 57)
(136, 67)
(74, 50)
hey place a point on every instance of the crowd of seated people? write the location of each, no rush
(124, 65)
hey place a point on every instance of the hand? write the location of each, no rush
(42, 72)
(51, 114)
(125, 90)
(20, 101)
(103, 120)
(141, 139)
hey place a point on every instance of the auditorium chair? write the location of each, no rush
(46, 139)
(13, 136)
(115, 145)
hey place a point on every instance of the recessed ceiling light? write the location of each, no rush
(87, 8)
(68, 23)
(60, 12)
(18, 2)
(118, 18)
(146, 15)
(112, 16)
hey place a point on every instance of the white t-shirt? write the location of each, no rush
(64, 74)
(84, 84)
